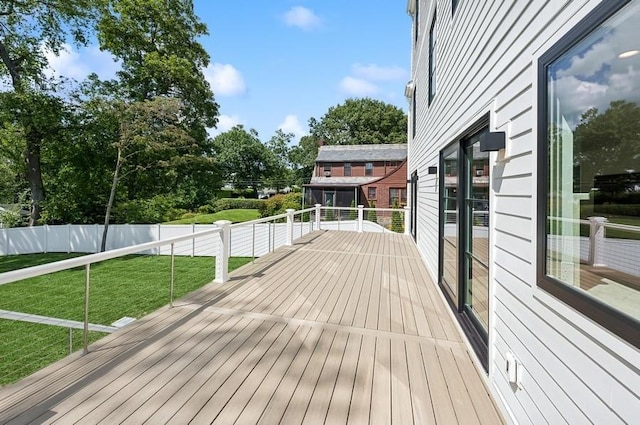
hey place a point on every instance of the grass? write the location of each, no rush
(129, 286)
(235, 216)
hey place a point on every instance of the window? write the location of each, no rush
(368, 169)
(347, 169)
(432, 58)
(371, 193)
(454, 6)
(398, 195)
(589, 172)
(327, 169)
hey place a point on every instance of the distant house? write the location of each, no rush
(359, 173)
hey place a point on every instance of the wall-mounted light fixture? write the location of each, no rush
(432, 170)
(492, 141)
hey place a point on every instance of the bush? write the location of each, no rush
(236, 203)
(279, 204)
(10, 218)
(371, 214)
(353, 212)
(158, 209)
(397, 224)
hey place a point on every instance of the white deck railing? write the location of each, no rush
(221, 240)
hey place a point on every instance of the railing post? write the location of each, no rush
(596, 241)
(318, 216)
(360, 218)
(85, 334)
(253, 243)
(222, 259)
(70, 341)
(172, 275)
(407, 220)
(290, 212)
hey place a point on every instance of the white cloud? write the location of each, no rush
(303, 18)
(225, 80)
(225, 123)
(76, 64)
(373, 72)
(358, 87)
(291, 124)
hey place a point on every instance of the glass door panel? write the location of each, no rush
(449, 217)
(476, 231)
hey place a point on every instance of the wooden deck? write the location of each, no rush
(340, 328)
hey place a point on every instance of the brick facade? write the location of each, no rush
(397, 179)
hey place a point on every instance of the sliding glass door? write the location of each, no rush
(464, 235)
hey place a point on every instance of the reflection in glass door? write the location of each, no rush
(449, 214)
(476, 234)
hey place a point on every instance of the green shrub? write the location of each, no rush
(237, 203)
(10, 218)
(353, 212)
(158, 209)
(205, 209)
(397, 223)
(371, 214)
(279, 204)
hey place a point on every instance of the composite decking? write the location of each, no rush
(341, 328)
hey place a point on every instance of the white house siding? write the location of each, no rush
(487, 54)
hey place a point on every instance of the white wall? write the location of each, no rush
(576, 372)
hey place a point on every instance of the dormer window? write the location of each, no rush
(347, 169)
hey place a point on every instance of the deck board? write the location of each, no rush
(340, 328)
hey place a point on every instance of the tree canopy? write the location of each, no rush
(354, 122)
(244, 160)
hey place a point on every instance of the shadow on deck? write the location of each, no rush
(341, 328)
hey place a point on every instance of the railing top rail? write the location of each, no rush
(259, 220)
(15, 275)
(628, 227)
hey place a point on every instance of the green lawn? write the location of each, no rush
(235, 216)
(130, 286)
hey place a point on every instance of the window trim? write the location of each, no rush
(368, 171)
(375, 193)
(615, 321)
(432, 53)
(347, 165)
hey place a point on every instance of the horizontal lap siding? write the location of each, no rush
(576, 372)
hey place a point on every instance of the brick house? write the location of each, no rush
(360, 173)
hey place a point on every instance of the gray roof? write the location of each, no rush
(362, 153)
(342, 181)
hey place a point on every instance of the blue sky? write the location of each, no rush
(276, 63)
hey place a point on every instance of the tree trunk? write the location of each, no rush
(112, 196)
(34, 175)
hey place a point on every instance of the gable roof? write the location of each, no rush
(361, 153)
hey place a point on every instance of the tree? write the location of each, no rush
(28, 29)
(607, 143)
(244, 160)
(280, 169)
(359, 122)
(302, 158)
(157, 44)
(149, 129)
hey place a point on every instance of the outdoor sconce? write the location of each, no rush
(492, 141)
(432, 170)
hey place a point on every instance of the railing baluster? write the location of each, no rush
(172, 277)
(85, 336)
(253, 243)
